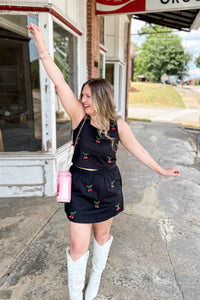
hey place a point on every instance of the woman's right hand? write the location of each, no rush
(37, 35)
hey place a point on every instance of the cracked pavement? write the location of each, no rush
(156, 246)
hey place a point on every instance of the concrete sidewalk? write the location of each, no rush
(184, 116)
(156, 249)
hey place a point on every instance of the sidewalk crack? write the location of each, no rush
(166, 230)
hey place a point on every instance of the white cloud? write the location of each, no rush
(136, 25)
(194, 73)
(191, 41)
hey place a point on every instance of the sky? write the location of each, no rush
(190, 41)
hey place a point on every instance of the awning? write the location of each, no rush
(184, 20)
(179, 14)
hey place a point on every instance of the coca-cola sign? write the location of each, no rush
(119, 6)
(104, 7)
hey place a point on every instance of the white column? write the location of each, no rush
(45, 22)
(82, 47)
(116, 85)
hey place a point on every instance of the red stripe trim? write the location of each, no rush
(41, 9)
(103, 49)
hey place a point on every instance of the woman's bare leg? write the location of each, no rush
(77, 256)
(101, 231)
(79, 239)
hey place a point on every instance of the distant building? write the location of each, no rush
(141, 78)
(194, 81)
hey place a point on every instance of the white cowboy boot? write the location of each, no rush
(76, 275)
(99, 260)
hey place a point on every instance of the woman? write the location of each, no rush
(96, 188)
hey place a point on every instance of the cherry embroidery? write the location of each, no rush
(112, 184)
(98, 140)
(85, 155)
(96, 204)
(72, 214)
(109, 159)
(77, 139)
(89, 187)
(117, 207)
(112, 126)
(86, 117)
(117, 146)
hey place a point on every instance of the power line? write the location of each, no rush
(143, 33)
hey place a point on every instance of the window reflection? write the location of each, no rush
(110, 73)
(65, 47)
(101, 65)
(20, 102)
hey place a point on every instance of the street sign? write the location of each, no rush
(164, 77)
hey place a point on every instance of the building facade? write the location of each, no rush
(35, 131)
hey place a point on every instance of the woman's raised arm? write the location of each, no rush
(69, 101)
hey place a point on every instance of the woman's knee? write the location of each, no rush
(79, 239)
(101, 237)
(78, 249)
(101, 231)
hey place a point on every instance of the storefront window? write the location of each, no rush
(102, 30)
(20, 101)
(65, 56)
(101, 65)
(110, 73)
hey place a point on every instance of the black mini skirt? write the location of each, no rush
(96, 195)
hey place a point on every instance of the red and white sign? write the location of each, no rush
(164, 5)
(104, 7)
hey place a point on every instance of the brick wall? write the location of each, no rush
(93, 40)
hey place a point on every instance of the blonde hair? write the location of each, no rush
(103, 103)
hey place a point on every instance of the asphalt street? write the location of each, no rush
(155, 252)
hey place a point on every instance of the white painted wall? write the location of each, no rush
(116, 36)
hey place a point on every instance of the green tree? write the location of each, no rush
(197, 61)
(161, 53)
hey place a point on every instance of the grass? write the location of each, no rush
(153, 94)
(138, 119)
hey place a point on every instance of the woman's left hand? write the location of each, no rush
(171, 172)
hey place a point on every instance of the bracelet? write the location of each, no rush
(45, 57)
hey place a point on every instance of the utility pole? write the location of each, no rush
(183, 71)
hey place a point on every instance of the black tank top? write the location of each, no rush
(92, 150)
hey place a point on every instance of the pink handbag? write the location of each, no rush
(64, 183)
(64, 186)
